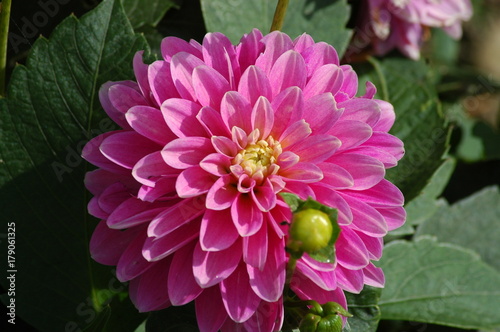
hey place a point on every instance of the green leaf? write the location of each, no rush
(439, 283)
(51, 111)
(147, 12)
(324, 20)
(425, 204)
(419, 122)
(364, 308)
(471, 223)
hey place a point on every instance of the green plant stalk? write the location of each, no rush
(4, 38)
(279, 15)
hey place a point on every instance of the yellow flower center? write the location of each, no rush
(260, 157)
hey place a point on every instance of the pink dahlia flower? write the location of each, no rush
(401, 23)
(188, 189)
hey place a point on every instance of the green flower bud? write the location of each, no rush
(330, 323)
(309, 323)
(310, 231)
(333, 308)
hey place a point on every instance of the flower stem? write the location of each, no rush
(4, 37)
(279, 15)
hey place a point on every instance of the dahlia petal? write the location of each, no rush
(239, 137)
(327, 78)
(295, 133)
(374, 245)
(264, 196)
(216, 164)
(148, 121)
(302, 42)
(267, 317)
(366, 219)
(387, 143)
(185, 152)
(384, 157)
(155, 249)
(373, 276)
(254, 84)
(174, 217)
(211, 267)
(351, 251)
(210, 312)
(387, 116)
(222, 194)
(212, 121)
(217, 230)
(370, 90)
(123, 97)
(181, 67)
(302, 190)
(262, 117)
(112, 197)
(279, 215)
(268, 282)
(224, 146)
(319, 54)
(361, 109)
(288, 70)
(238, 297)
(182, 287)
(255, 248)
(316, 148)
(383, 194)
(317, 265)
(127, 148)
(335, 176)
(394, 216)
(95, 210)
(246, 215)
(276, 44)
(366, 171)
(321, 112)
(141, 74)
(350, 85)
(352, 133)
(249, 49)
(303, 172)
(164, 188)
(287, 159)
(349, 280)
(330, 198)
(180, 116)
(170, 46)
(132, 263)
(107, 245)
(324, 279)
(236, 111)
(149, 291)
(151, 167)
(219, 54)
(161, 82)
(98, 180)
(193, 181)
(116, 115)
(308, 290)
(209, 86)
(288, 108)
(133, 212)
(93, 154)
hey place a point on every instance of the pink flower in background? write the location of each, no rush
(401, 23)
(188, 189)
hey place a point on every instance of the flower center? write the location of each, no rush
(260, 157)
